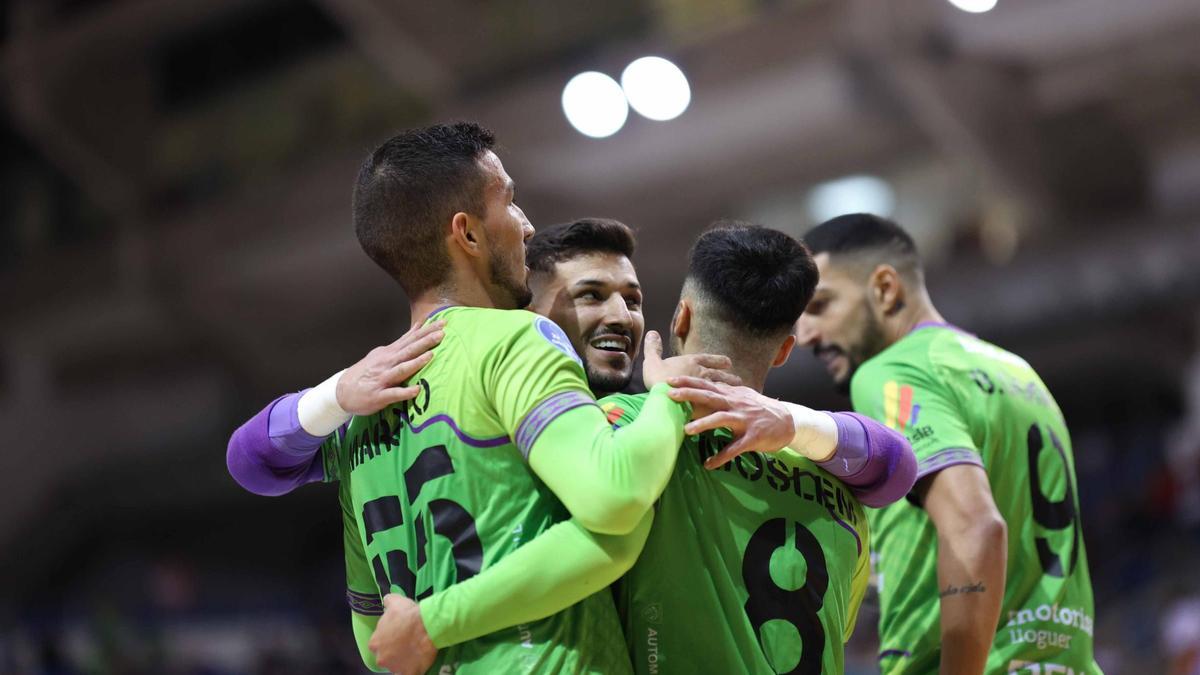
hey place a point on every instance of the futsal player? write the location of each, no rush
(982, 568)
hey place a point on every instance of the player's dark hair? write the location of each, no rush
(565, 241)
(753, 278)
(407, 192)
(858, 233)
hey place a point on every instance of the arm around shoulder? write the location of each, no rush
(608, 479)
(271, 454)
(559, 568)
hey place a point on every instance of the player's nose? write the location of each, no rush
(526, 226)
(616, 311)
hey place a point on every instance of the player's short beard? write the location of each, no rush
(606, 382)
(871, 341)
(517, 289)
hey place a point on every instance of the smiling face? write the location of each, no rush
(840, 323)
(596, 299)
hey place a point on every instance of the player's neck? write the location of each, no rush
(454, 295)
(920, 311)
(754, 378)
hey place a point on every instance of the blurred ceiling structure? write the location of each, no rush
(176, 236)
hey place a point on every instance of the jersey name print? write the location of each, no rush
(756, 567)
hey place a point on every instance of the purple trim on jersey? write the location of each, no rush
(940, 324)
(437, 311)
(262, 466)
(544, 413)
(367, 604)
(462, 435)
(947, 458)
(894, 652)
(851, 530)
(889, 469)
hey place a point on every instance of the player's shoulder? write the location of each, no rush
(909, 356)
(498, 321)
(912, 360)
(622, 408)
(484, 330)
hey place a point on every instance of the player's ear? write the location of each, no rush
(681, 323)
(467, 234)
(886, 289)
(785, 350)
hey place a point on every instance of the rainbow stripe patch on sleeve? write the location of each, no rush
(898, 410)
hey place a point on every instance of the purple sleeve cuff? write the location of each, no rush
(287, 436)
(875, 462)
(270, 454)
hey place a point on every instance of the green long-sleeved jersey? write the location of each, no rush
(436, 489)
(757, 567)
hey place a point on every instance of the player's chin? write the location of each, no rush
(522, 296)
(841, 381)
(603, 376)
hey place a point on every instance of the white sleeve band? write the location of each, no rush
(816, 432)
(318, 409)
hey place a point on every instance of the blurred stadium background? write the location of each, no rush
(176, 249)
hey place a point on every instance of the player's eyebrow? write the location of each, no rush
(510, 188)
(596, 282)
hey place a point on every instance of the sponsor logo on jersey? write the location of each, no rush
(653, 612)
(918, 434)
(556, 337)
(652, 650)
(898, 410)
(1054, 628)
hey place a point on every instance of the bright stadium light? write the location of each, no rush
(656, 88)
(974, 6)
(594, 104)
(852, 194)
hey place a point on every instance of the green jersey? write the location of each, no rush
(961, 400)
(437, 489)
(758, 567)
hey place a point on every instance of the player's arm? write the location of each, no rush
(972, 555)
(876, 463)
(276, 451)
(558, 568)
(953, 487)
(272, 453)
(607, 479)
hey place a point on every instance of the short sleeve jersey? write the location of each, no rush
(757, 567)
(437, 489)
(960, 400)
